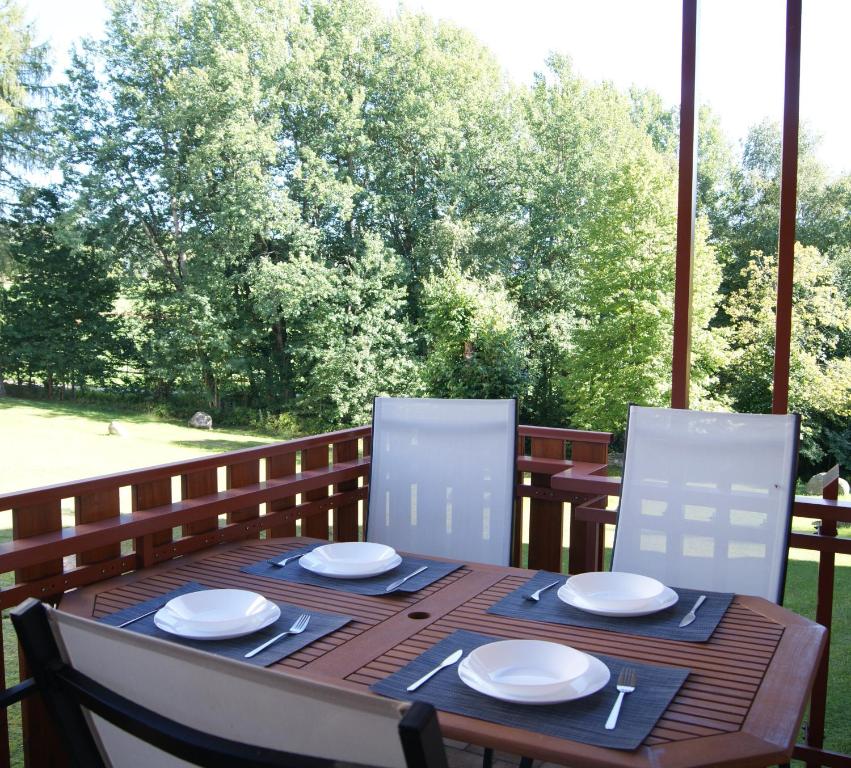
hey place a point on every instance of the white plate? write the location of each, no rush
(614, 590)
(527, 667)
(594, 678)
(216, 614)
(660, 603)
(351, 560)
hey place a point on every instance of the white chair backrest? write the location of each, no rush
(706, 499)
(442, 479)
(225, 698)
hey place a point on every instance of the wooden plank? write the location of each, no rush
(91, 508)
(282, 465)
(150, 495)
(201, 482)
(315, 525)
(586, 538)
(345, 518)
(545, 517)
(239, 475)
(4, 718)
(28, 522)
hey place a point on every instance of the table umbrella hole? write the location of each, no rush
(419, 615)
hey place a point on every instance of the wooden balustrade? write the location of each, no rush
(271, 488)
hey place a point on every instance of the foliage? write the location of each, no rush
(307, 203)
(64, 337)
(820, 383)
(474, 338)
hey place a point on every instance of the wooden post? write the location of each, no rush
(238, 476)
(281, 465)
(586, 538)
(788, 208)
(90, 508)
(315, 525)
(345, 518)
(148, 495)
(202, 482)
(824, 616)
(42, 745)
(546, 518)
(686, 204)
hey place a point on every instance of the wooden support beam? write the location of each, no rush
(686, 204)
(788, 208)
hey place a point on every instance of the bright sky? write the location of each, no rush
(740, 68)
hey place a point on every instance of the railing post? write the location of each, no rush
(281, 465)
(239, 475)
(91, 508)
(316, 525)
(586, 538)
(546, 517)
(202, 482)
(824, 616)
(345, 518)
(147, 495)
(42, 746)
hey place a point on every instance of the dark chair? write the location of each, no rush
(120, 698)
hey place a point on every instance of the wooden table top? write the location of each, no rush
(741, 705)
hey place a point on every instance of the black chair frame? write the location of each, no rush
(67, 692)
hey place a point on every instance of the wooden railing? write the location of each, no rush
(136, 519)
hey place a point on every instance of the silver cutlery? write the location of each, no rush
(142, 616)
(299, 625)
(690, 616)
(626, 684)
(451, 659)
(398, 583)
(536, 595)
(282, 563)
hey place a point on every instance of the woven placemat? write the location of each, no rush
(375, 585)
(664, 624)
(581, 720)
(321, 624)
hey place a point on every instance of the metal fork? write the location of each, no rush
(282, 563)
(536, 595)
(299, 625)
(626, 684)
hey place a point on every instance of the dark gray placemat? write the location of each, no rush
(374, 585)
(581, 720)
(321, 624)
(664, 624)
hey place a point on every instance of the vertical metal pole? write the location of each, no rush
(686, 203)
(788, 208)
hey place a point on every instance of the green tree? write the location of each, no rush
(820, 382)
(474, 338)
(600, 252)
(59, 322)
(347, 335)
(173, 154)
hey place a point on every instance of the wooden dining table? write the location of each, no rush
(741, 705)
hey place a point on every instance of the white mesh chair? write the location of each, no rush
(442, 477)
(168, 705)
(706, 499)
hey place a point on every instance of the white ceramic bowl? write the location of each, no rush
(216, 613)
(527, 667)
(354, 555)
(614, 590)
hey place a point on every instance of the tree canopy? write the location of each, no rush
(292, 206)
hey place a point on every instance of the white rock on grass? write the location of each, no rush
(816, 483)
(115, 428)
(201, 420)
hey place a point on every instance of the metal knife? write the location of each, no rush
(399, 582)
(690, 617)
(447, 662)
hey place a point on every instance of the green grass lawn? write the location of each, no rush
(56, 442)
